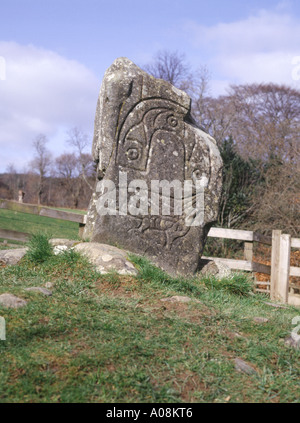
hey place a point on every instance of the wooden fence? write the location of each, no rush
(278, 287)
(280, 269)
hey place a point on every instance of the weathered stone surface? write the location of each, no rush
(106, 258)
(215, 268)
(294, 300)
(62, 241)
(144, 130)
(293, 342)
(11, 257)
(43, 291)
(60, 244)
(242, 366)
(11, 301)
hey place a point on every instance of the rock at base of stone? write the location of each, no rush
(58, 242)
(106, 258)
(12, 257)
(214, 268)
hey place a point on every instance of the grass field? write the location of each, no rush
(110, 338)
(30, 223)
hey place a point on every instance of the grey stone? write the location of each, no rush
(144, 129)
(60, 244)
(58, 249)
(11, 301)
(290, 341)
(11, 257)
(62, 241)
(39, 289)
(294, 299)
(260, 319)
(106, 258)
(215, 268)
(242, 366)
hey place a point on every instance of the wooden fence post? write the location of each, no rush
(248, 251)
(275, 263)
(280, 266)
(82, 226)
(81, 230)
(284, 267)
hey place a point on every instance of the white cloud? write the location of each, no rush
(43, 93)
(257, 49)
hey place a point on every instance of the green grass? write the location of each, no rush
(30, 223)
(39, 248)
(110, 338)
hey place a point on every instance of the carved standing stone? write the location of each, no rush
(144, 132)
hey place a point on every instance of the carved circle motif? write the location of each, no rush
(132, 154)
(197, 174)
(172, 121)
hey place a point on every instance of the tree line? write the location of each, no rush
(257, 129)
(63, 181)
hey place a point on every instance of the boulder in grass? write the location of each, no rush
(215, 268)
(106, 258)
(11, 301)
(12, 257)
(242, 366)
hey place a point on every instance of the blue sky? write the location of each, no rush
(55, 53)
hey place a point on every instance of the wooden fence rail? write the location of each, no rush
(14, 235)
(42, 211)
(281, 244)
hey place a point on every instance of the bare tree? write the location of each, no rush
(173, 68)
(11, 180)
(170, 66)
(41, 163)
(267, 121)
(277, 201)
(68, 170)
(198, 88)
(263, 119)
(79, 141)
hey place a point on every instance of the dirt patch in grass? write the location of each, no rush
(52, 362)
(119, 286)
(188, 383)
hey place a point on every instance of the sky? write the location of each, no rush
(53, 55)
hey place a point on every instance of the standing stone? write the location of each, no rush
(144, 132)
